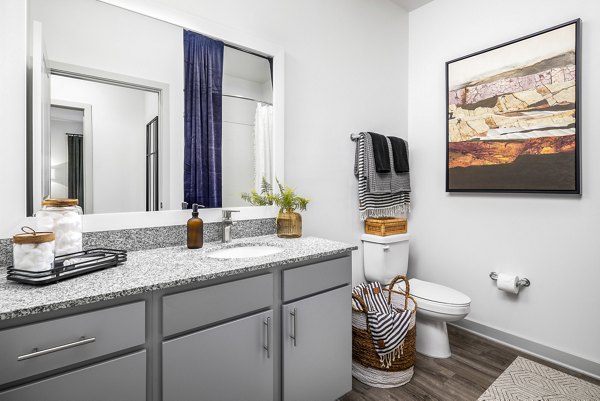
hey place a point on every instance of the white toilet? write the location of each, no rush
(387, 257)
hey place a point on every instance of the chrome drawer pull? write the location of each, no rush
(294, 315)
(267, 347)
(35, 352)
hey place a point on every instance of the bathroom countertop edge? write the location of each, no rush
(170, 267)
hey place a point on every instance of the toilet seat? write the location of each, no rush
(438, 298)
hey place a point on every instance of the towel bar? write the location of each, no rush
(354, 137)
(523, 282)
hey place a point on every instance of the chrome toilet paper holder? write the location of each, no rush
(523, 282)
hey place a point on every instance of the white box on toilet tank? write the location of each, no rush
(385, 257)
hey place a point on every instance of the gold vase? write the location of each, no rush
(289, 225)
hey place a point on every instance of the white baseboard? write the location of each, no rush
(570, 361)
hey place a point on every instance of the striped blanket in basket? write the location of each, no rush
(388, 326)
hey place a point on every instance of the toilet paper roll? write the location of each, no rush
(508, 283)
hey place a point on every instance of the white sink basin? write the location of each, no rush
(239, 252)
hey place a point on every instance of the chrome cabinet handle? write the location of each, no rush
(35, 353)
(267, 347)
(294, 315)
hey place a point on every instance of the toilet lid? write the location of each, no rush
(437, 293)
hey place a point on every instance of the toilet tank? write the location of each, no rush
(385, 257)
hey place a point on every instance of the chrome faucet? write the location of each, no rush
(227, 223)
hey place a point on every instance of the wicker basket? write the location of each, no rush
(385, 226)
(366, 365)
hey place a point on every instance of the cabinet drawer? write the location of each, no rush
(118, 379)
(197, 308)
(306, 280)
(70, 340)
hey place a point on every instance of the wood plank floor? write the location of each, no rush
(474, 365)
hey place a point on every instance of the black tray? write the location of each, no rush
(70, 265)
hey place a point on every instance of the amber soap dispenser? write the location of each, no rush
(195, 230)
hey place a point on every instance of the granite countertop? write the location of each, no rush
(154, 269)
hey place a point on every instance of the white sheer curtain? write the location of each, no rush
(263, 144)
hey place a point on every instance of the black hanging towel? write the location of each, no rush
(381, 153)
(400, 154)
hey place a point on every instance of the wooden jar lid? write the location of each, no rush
(60, 202)
(30, 236)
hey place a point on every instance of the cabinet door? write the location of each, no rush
(118, 379)
(317, 347)
(229, 362)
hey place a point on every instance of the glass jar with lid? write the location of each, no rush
(33, 250)
(63, 217)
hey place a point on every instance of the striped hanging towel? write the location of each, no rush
(372, 204)
(388, 326)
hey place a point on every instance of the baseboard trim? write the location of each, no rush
(570, 361)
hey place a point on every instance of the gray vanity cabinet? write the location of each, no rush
(316, 347)
(228, 362)
(316, 329)
(302, 355)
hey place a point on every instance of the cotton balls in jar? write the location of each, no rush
(63, 218)
(33, 251)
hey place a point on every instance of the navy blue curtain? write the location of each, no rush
(203, 132)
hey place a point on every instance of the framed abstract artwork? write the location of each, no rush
(513, 116)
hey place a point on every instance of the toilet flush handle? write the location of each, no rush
(386, 247)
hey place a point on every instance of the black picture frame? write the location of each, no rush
(505, 177)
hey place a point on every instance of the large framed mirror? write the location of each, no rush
(107, 104)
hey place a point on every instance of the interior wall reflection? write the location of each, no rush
(114, 160)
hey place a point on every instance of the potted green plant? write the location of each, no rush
(289, 222)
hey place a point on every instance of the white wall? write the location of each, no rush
(345, 71)
(119, 118)
(458, 239)
(13, 110)
(150, 106)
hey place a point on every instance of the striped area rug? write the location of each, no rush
(525, 380)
